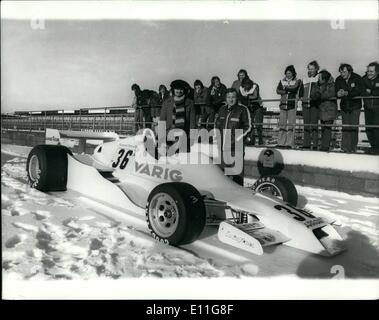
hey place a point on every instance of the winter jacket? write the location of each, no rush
(235, 117)
(143, 98)
(371, 88)
(236, 84)
(288, 89)
(249, 98)
(167, 114)
(201, 97)
(354, 87)
(156, 102)
(217, 96)
(323, 92)
(306, 88)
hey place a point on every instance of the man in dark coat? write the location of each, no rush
(250, 97)
(141, 105)
(233, 116)
(349, 85)
(217, 93)
(310, 106)
(201, 101)
(371, 105)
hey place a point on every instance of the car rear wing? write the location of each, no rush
(71, 138)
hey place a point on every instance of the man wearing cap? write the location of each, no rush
(178, 110)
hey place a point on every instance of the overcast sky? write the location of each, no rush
(72, 64)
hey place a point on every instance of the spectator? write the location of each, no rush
(371, 105)
(163, 93)
(348, 86)
(156, 103)
(325, 92)
(310, 107)
(288, 88)
(141, 100)
(217, 93)
(201, 101)
(242, 74)
(249, 96)
(178, 111)
(233, 115)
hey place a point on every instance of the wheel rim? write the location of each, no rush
(270, 189)
(163, 214)
(34, 169)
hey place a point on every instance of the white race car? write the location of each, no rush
(179, 199)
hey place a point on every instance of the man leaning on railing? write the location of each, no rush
(325, 93)
(371, 105)
(349, 85)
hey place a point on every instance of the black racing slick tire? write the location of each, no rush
(46, 167)
(175, 213)
(277, 186)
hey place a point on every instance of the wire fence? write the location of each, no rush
(121, 119)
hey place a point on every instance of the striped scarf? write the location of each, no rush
(179, 113)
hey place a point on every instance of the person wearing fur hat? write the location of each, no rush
(178, 110)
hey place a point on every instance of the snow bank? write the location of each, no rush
(336, 161)
(14, 150)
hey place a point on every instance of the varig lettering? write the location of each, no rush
(158, 172)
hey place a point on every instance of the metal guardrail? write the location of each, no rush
(121, 120)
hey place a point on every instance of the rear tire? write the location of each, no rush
(279, 187)
(175, 213)
(47, 167)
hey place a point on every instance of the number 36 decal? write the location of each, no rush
(122, 159)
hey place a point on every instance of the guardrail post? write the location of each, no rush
(105, 118)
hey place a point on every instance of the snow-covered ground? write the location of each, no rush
(65, 236)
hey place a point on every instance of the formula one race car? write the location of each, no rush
(179, 199)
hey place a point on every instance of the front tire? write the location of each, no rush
(47, 167)
(175, 213)
(279, 187)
